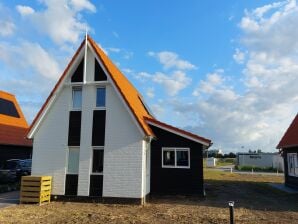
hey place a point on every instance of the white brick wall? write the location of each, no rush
(123, 152)
(50, 143)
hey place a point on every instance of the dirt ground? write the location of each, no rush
(255, 202)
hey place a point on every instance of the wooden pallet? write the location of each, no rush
(36, 189)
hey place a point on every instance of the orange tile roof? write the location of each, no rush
(126, 89)
(12, 121)
(13, 129)
(290, 138)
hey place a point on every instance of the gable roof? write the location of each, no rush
(179, 131)
(128, 92)
(290, 137)
(13, 129)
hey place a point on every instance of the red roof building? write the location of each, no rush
(288, 146)
(13, 130)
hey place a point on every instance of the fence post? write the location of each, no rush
(231, 207)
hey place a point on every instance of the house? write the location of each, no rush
(288, 147)
(265, 160)
(97, 138)
(13, 129)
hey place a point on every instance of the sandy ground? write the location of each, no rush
(255, 202)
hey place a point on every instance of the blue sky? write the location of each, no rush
(226, 70)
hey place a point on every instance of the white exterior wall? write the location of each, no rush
(50, 143)
(123, 154)
(259, 160)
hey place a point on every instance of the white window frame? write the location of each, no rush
(97, 148)
(175, 150)
(73, 90)
(101, 107)
(293, 157)
(72, 147)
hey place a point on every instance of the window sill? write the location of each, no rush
(97, 173)
(178, 167)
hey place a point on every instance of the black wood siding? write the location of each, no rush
(74, 129)
(14, 152)
(99, 74)
(98, 130)
(71, 184)
(289, 180)
(79, 73)
(175, 180)
(96, 182)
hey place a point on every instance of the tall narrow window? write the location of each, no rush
(73, 160)
(77, 98)
(101, 97)
(98, 129)
(97, 165)
(74, 129)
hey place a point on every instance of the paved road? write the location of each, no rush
(10, 198)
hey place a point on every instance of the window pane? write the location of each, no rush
(182, 158)
(168, 158)
(100, 97)
(73, 160)
(97, 161)
(77, 98)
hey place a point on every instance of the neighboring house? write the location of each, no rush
(264, 160)
(13, 130)
(288, 146)
(96, 137)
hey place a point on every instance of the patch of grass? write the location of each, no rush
(210, 174)
(225, 161)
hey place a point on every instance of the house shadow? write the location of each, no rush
(248, 195)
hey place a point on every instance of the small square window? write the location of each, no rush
(100, 97)
(182, 157)
(169, 158)
(97, 165)
(77, 98)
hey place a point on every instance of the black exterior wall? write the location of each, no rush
(175, 180)
(289, 180)
(14, 152)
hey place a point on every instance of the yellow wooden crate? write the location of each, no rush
(36, 189)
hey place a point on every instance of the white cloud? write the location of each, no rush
(24, 10)
(28, 55)
(173, 83)
(256, 112)
(80, 5)
(171, 60)
(61, 19)
(239, 56)
(7, 28)
(150, 92)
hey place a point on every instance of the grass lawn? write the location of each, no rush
(255, 202)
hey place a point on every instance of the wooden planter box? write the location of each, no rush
(36, 189)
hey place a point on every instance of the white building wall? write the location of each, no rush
(88, 104)
(50, 143)
(123, 154)
(259, 160)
